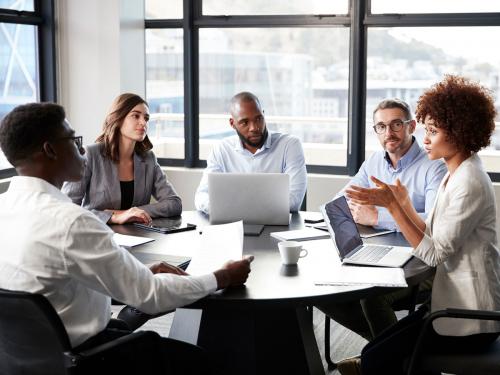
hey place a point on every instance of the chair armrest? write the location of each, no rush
(447, 313)
(121, 341)
(466, 314)
(74, 359)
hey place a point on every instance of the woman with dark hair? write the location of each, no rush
(122, 173)
(458, 237)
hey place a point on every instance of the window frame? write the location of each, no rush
(43, 18)
(359, 19)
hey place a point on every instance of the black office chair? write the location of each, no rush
(33, 341)
(416, 297)
(472, 362)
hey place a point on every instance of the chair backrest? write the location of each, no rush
(32, 337)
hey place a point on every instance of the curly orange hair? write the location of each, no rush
(463, 108)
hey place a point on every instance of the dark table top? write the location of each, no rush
(270, 282)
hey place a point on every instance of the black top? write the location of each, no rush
(127, 189)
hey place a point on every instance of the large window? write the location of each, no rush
(276, 7)
(299, 74)
(165, 91)
(22, 69)
(319, 68)
(403, 62)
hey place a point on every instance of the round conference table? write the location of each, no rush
(265, 326)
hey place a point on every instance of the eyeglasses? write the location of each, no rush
(78, 140)
(394, 125)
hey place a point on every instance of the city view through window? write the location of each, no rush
(18, 63)
(301, 76)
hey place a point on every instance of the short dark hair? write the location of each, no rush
(461, 107)
(243, 96)
(395, 103)
(24, 130)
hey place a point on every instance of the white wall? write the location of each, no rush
(100, 51)
(320, 188)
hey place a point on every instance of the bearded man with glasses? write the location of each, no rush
(402, 158)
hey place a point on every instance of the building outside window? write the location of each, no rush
(19, 62)
(302, 72)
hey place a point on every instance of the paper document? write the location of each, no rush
(130, 241)
(219, 243)
(353, 275)
(300, 234)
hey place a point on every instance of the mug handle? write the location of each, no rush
(302, 256)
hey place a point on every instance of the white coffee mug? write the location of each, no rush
(291, 251)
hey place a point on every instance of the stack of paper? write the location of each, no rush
(219, 243)
(300, 234)
(353, 275)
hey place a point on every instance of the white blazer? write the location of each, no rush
(460, 239)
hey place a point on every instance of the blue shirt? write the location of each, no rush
(281, 153)
(420, 175)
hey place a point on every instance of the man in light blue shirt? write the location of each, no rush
(402, 158)
(255, 150)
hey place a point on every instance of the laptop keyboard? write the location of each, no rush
(371, 254)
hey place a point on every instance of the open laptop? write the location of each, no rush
(255, 198)
(345, 234)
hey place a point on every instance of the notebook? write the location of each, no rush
(345, 234)
(255, 198)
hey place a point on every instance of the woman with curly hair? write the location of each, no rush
(458, 237)
(122, 173)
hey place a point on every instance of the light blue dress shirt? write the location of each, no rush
(420, 175)
(281, 153)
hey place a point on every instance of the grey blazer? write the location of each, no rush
(99, 188)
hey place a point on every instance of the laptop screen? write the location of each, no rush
(340, 221)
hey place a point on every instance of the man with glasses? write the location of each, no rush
(53, 247)
(255, 150)
(401, 158)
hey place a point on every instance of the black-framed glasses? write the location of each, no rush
(394, 125)
(78, 140)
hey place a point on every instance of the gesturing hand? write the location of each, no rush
(400, 192)
(382, 195)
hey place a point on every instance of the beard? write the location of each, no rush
(248, 142)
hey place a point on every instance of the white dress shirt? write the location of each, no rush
(280, 153)
(53, 247)
(460, 239)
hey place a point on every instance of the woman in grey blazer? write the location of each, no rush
(458, 237)
(122, 173)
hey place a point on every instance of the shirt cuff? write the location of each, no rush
(385, 221)
(209, 281)
(424, 248)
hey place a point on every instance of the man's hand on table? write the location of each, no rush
(234, 273)
(164, 267)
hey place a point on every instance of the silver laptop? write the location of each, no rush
(255, 198)
(345, 234)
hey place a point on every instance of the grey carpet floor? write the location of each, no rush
(344, 343)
